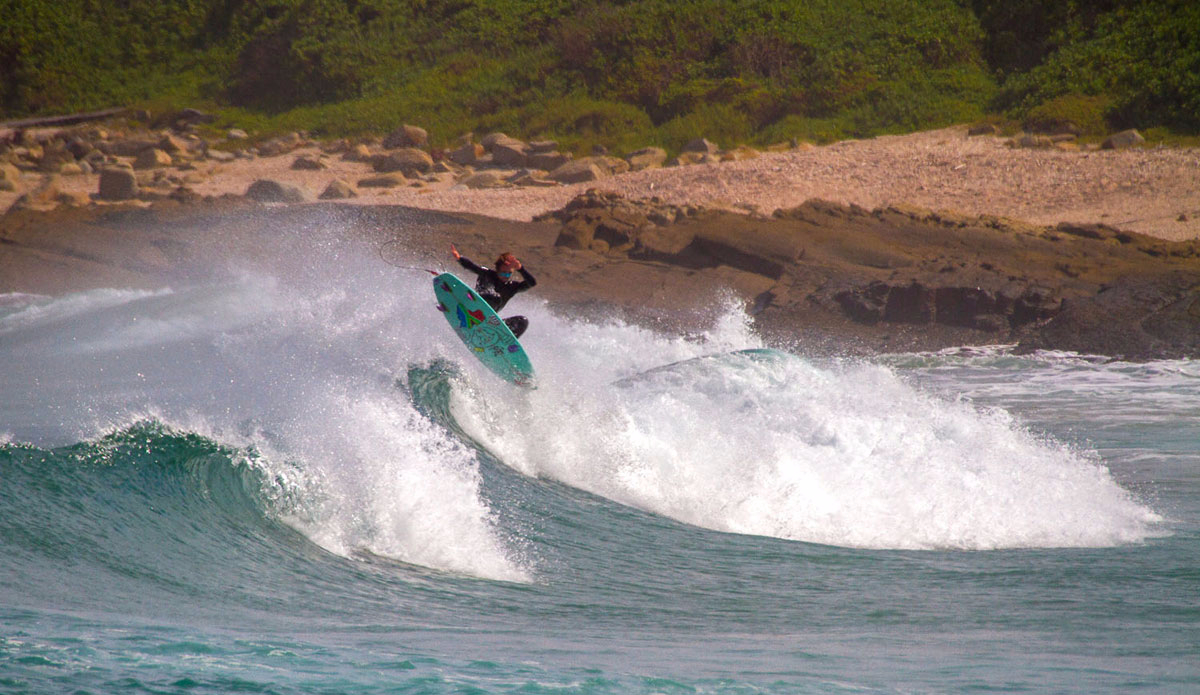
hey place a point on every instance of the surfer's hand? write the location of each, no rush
(454, 251)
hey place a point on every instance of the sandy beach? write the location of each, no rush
(1154, 191)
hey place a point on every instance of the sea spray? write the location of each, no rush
(766, 443)
(304, 373)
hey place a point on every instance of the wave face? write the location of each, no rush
(231, 484)
(381, 445)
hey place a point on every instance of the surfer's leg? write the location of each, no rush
(517, 324)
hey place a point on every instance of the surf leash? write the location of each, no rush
(399, 265)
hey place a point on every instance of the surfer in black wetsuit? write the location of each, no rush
(499, 285)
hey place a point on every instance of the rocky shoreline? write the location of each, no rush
(821, 278)
(825, 275)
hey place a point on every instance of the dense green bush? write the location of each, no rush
(622, 73)
(1070, 113)
(1141, 57)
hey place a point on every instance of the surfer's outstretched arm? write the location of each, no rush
(467, 262)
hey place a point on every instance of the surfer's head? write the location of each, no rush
(506, 264)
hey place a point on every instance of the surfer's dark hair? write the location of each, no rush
(506, 258)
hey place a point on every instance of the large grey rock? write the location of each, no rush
(406, 136)
(338, 190)
(1032, 142)
(152, 158)
(117, 183)
(383, 181)
(484, 179)
(701, 145)
(1125, 138)
(646, 158)
(408, 160)
(491, 139)
(578, 171)
(466, 154)
(172, 144)
(268, 191)
(309, 163)
(510, 152)
(280, 145)
(547, 161)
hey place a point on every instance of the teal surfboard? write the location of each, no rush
(482, 330)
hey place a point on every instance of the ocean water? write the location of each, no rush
(300, 482)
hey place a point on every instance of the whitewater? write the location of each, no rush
(297, 480)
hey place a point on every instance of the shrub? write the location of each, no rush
(1070, 113)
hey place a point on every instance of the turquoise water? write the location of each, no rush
(295, 483)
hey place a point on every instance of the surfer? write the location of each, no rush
(499, 285)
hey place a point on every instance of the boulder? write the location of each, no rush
(44, 196)
(280, 145)
(576, 234)
(1125, 138)
(547, 161)
(309, 163)
(542, 146)
(1031, 141)
(54, 155)
(268, 191)
(510, 152)
(406, 136)
(531, 179)
(338, 190)
(152, 158)
(492, 138)
(9, 176)
(73, 199)
(702, 145)
(117, 183)
(466, 154)
(237, 134)
(578, 171)
(357, 153)
(484, 179)
(646, 158)
(171, 144)
(185, 195)
(383, 181)
(689, 158)
(611, 165)
(408, 160)
(220, 156)
(79, 147)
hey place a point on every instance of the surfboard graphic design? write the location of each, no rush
(481, 330)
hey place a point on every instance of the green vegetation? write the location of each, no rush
(623, 73)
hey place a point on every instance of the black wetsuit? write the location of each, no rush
(496, 291)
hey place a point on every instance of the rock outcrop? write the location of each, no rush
(917, 271)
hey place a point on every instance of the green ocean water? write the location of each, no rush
(286, 486)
